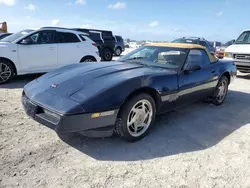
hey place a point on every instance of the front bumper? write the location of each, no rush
(83, 123)
(242, 65)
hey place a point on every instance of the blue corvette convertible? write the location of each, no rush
(124, 96)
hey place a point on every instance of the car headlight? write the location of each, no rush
(228, 54)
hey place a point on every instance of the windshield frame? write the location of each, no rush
(128, 59)
(16, 36)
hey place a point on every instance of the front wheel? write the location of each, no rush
(6, 71)
(221, 91)
(135, 118)
(88, 59)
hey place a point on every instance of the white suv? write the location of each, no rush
(38, 51)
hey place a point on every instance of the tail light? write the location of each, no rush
(94, 44)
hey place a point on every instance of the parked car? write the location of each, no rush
(3, 35)
(37, 51)
(221, 49)
(196, 40)
(119, 45)
(104, 39)
(239, 52)
(124, 96)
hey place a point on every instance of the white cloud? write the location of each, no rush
(30, 7)
(80, 2)
(118, 5)
(219, 14)
(86, 26)
(55, 22)
(154, 24)
(8, 2)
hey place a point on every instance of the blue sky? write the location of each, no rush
(137, 19)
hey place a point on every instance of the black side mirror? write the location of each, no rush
(192, 67)
(26, 41)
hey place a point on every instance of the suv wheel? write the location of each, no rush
(6, 71)
(106, 54)
(88, 59)
(118, 51)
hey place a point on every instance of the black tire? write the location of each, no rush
(88, 59)
(121, 128)
(106, 54)
(216, 99)
(6, 66)
(118, 51)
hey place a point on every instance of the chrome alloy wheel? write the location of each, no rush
(222, 91)
(5, 72)
(88, 60)
(139, 118)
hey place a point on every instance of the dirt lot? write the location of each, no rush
(196, 146)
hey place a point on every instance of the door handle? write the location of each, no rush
(213, 72)
(52, 48)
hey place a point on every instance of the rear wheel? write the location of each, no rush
(221, 91)
(136, 117)
(7, 71)
(106, 54)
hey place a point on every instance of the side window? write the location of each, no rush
(95, 36)
(119, 39)
(203, 43)
(107, 35)
(67, 37)
(82, 37)
(42, 37)
(205, 58)
(198, 57)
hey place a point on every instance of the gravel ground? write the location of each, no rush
(196, 146)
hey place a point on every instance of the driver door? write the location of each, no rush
(38, 52)
(197, 84)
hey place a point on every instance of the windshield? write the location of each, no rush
(165, 57)
(244, 38)
(16, 36)
(183, 40)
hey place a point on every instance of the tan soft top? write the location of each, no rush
(185, 45)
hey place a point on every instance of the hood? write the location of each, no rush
(239, 48)
(91, 77)
(4, 44)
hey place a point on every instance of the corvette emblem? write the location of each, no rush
(53, 86)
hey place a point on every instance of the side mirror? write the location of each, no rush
(191, 68)
(26, 41)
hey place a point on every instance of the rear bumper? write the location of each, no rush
(83, 123)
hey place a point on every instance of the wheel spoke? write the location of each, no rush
(139, 118)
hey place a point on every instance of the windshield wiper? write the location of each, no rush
(133, 58)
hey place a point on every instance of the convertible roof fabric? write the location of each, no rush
(185, 45)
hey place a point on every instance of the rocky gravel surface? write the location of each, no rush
(200, 145)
